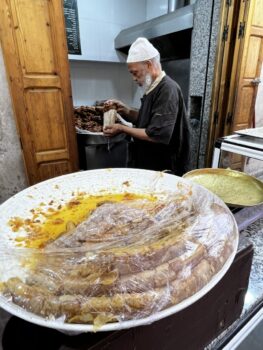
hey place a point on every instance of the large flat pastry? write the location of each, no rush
(147, 244)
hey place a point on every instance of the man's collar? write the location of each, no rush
(156, 82)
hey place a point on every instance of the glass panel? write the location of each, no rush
(250, 166)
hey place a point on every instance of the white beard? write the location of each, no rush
(147, 83)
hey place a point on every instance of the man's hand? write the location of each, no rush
(130, 114)
(118, 105)
(112, 130)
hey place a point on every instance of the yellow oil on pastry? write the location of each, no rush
(61, 219)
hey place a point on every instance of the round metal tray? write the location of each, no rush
(94, 182)
(235, 188)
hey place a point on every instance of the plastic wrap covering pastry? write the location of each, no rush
(128, 257)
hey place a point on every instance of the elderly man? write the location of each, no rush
(161, 133)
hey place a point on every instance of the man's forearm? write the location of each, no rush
(136, 132)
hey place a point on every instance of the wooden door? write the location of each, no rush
(241, 106)
(237, 68)
(230, 44)
(251, 62)
(34, 45)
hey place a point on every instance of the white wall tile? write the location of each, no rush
(156, 8)
(93, 81)
(97, 10)
(97, 42)
(129, 12)
(101, 21)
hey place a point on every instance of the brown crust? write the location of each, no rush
(41, 302)
(103, 283)
(124, 282)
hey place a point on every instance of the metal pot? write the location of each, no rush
(97, 151)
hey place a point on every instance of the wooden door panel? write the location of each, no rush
(34, 36)
(257, 15)
(53, 135)
(49, 156)
(243, 108)
(49, 170)
(252, 57)
(233, 161)
(236, 158)
(44, 81)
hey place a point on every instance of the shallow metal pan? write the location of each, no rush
(235, 188)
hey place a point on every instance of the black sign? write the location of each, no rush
(72, 26)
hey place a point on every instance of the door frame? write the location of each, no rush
(230, 48)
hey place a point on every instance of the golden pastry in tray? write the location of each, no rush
(131, 257)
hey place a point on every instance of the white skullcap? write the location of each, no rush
(141, 50)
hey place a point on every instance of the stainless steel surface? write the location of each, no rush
(245, 145)
(175, 4)
(245, 331)
(247, 216)
(216, 158)
(256, 133)
(176, 21)
(98, 151)
(248, 146)
(100, 139)
(245, 151)
(171, 5)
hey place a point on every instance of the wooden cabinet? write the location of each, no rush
(34, 45)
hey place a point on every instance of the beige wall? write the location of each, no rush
(12, 173)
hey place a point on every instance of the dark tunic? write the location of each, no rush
(163, 116)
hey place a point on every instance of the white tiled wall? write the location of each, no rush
(92, 81)
(94, 76)
(100, 21)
